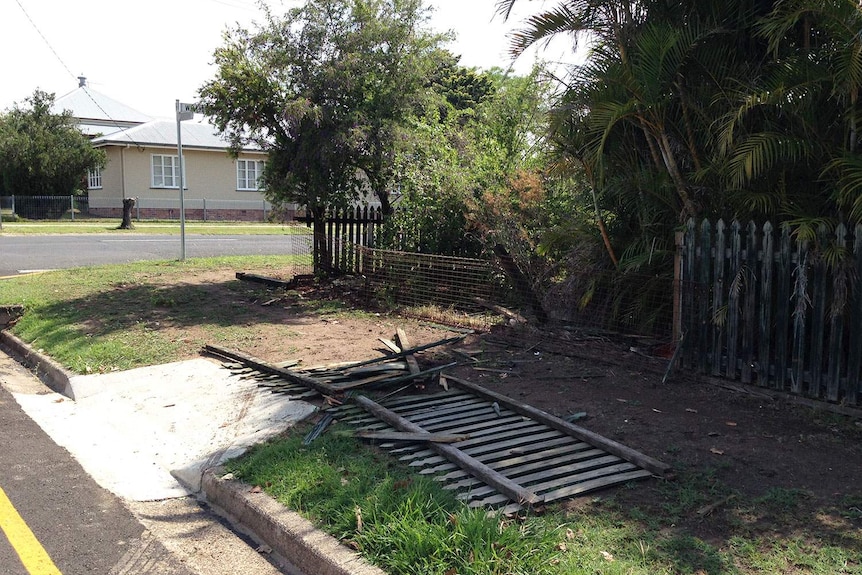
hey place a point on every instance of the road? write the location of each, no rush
(21, 254)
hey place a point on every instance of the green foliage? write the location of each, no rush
(42, 153)
(472, 165)
(325, 89)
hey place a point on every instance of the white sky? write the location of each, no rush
(149, 54)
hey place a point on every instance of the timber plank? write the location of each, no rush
(718, 290)
(544, 468)
(407, 436)
(578, 432)
(553, 477)
(733, 299)
(765, 315)
(504, 485)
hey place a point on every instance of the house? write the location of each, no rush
(142, 163)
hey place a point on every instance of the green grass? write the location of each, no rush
(109, 318)
(106, 226)
(409, 524)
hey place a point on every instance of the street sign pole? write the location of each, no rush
(184, 112)
(182, 199)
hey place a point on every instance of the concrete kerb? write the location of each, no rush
(52, 374)
(286, 532)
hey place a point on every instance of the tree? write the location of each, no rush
(42, 153)
(326, 90)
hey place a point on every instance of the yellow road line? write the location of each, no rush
(33, 556)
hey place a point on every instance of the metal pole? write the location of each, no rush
(182, 198)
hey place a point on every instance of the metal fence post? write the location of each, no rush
(205, 209)
(13, 204)
(264, 210)
(72, 206)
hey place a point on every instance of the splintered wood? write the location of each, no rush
(494, 451)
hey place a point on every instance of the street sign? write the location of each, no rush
(187, 111)
(193, 108)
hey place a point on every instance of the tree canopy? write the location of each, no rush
(43, 153)
(729, 108)
(326, 89)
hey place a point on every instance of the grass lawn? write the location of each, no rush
(109, 318)
(120, 317)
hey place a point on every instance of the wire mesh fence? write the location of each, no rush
(73, 207)
(627, 303)
(413, 279)
(44, 207)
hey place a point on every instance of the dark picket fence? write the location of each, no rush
(346, 228)
(758, 306)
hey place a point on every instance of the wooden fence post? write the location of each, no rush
(677, 287)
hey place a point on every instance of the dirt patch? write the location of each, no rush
(750, 442)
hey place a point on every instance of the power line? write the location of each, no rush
(59, 59)
(38, 31)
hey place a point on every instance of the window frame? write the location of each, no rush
(242, 184)
(94, 179)
(174, 176)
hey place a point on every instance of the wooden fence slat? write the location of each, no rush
(718, 290)
(703, 319)
(818, 317)
(800, 300)
(836, 323)
(749, 295)
(854, 360)
(765, 315)
(733, 299)
(688, 303)
(784, 281)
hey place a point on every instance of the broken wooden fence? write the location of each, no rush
(345, 229)
(760, 306)
(494, 451)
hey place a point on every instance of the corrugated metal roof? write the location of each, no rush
(93, 129)
(196, 134)
(88, 104)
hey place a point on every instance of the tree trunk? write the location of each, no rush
(128, 204)
(322, 258)
(520, 282)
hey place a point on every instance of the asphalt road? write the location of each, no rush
(21, 254)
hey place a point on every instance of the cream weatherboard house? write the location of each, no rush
(142, 163)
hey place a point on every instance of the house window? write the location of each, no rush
(248, 175)
(94, 179)
(166, 173)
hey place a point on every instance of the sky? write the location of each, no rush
(147, 55)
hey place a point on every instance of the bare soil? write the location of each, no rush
(750, 442)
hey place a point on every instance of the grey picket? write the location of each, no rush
(765, 314)
(718, 290)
